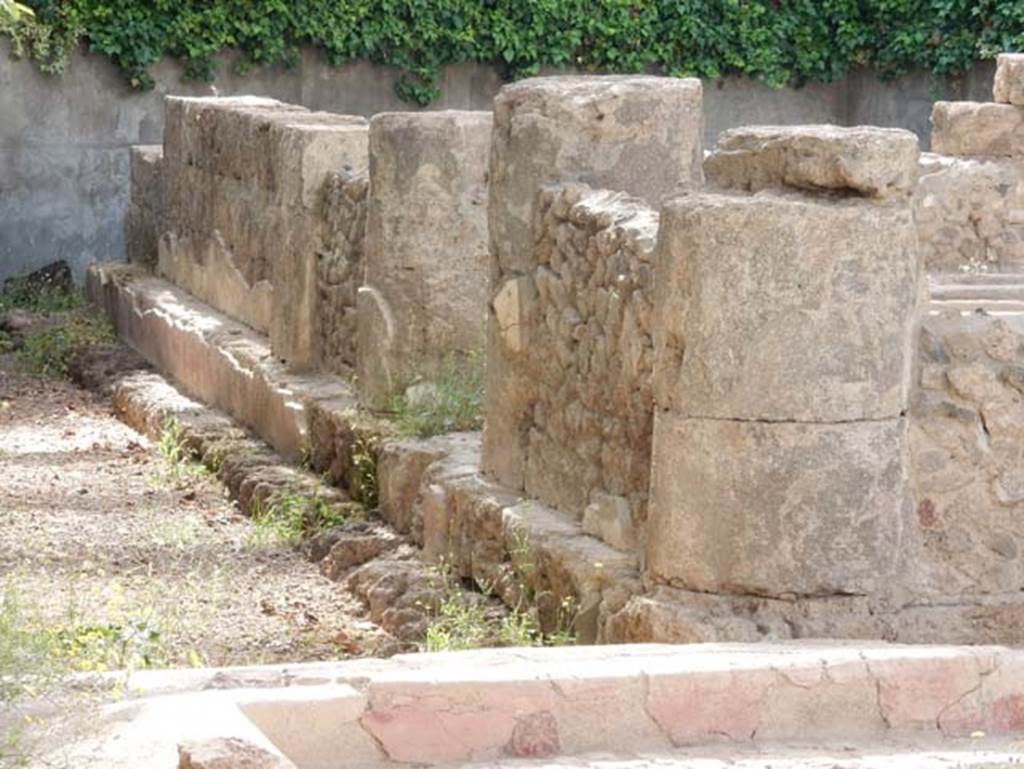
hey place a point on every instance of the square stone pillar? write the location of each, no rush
(635, 134)
(783, 346)
(424, 295)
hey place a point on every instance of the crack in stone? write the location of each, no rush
(766, 421)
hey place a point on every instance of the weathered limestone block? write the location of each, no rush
(776, 508)
(782, 330)
(1008, 87)
(784, 308)
(874, 162)
(145, 205)
(976, 128)
(426, 248)
(340, 268)
(245, 222)
(642, 135)
(587, 353)
(967, 451)
(970, 214)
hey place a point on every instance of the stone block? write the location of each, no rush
(784, 308)
(873, 162)
(305, 147)
(976, 128)
(340, 268)
(146, 162)
(228, 753)
(1008, 86)
(425, 246)
(247, 213)
(777, 509)
(205, 268)
(293, 273)
(970, 214)
(639, 134)
(193, 126)
(610, 518)
(143, 218)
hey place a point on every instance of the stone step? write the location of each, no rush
(863, 705)
(977, 279)
(925, 754)
(215, 359)
(1004, 291)
(994, 307)
(430, 489)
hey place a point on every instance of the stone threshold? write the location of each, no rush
(806, 704)
(430, 491)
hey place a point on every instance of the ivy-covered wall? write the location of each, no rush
(778, 42)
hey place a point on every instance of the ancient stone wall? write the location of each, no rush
(639, 135)
(243, 180)
(423, 301)
(970, 198)
(783, 343)
(967, 445)
(142, 222)
(340, 268)
(970, 214)
(586, 346)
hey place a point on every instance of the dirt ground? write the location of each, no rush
(132, 561)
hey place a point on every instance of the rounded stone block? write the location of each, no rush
(867, 161)
(777, 509)
(784, 307)
(976, 128)
(637, 134)
(426, 239)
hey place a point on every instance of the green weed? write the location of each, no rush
(179, 463)
(289, 516)
(50, 352)
(364, 471)
(462, 620)
(451, 402)
(40, 298)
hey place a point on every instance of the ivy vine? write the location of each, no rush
(778, 42)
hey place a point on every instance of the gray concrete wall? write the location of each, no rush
(64, 140)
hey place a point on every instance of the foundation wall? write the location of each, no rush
(967, 450)
(580, 328)
(640, 135)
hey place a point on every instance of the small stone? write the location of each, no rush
(422, 395)
(535, 736)
(228, 753)
(610, 518)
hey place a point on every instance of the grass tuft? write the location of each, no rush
(451, 402)
(290, 516)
